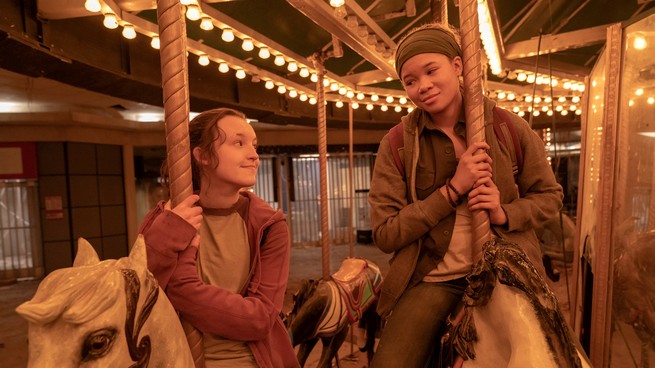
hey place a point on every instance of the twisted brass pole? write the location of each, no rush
(473, 103)
(322, 156)
(172, 36)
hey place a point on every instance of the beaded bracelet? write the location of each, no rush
(450, 199)
(451, 186)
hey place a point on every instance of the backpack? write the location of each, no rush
(503, 127)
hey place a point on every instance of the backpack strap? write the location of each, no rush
(396, 143)
(506, 134)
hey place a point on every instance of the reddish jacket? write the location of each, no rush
(253, 315)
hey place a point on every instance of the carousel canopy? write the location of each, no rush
(261, 56)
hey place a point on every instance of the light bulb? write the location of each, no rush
(350, 94)
(355, 105)
(281, 89)
(360, 96)
(193, 12)
(402, 100)
(304, 72)
(326, 82)
(227, 35)
(247, 44)
(338, 104)
(397, 109)
(343, 90)
(312, 101)
(384, 108)
(203, 60)
(374, 97)
(313, 78)
(279, 60)
(410, 109)
(223, 67)
(206, 24)
(292, 67)
(129, 32)
(186, 2)
(154, 43)
(303, 97)
(264, 52)
(369, 107)
(92, 5)
(337, 3)
(334, 86)
(240, 74)
(293, 93)
(269, 84)
(110, 21)
(389, 99)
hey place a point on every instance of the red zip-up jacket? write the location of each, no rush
(254, 314)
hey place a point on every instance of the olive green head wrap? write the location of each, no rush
(426, 40)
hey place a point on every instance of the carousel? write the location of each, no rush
(99, 305)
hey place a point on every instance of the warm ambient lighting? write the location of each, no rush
(247, 44)
(92, 5)
(206, 24)
(227, 35)
(203, 60)
(304, 72)
(193, 12)
(223, 68)
(264, 52)
(155, 43)
(240, 74)
(488, 37)
(110, 21)
(337, 3)
(129, 32)
(269, 84)
(279, 60)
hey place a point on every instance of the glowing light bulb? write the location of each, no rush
(279, 60)
(281, 89)
(293, 93)
(247, 44)
(269, 84)
(227, 35)
(304, 72)
(303, 97)
(312, 101)
(389, 99)
(360, 96)
(313, 78)
(129, 32)
(334, 86)
(397, 109)
(192, 12)
(264, 52)
(350, 94)
(402, 100)
(110, 21)
(203, 60)
(343, 90)
(240, 74)
(639, 42)
(206, 24)
(223, 67)
(337, 3)
(384, 108)
(292, 66)
(374, 97)
(92, 5)
(355, 105)
(155, 43)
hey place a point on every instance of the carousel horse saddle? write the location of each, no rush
(358, 283)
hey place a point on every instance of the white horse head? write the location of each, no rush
(104, 314)
(511, 317)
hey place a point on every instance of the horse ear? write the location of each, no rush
(86, 254)
(138, 255)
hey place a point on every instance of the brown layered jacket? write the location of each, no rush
(400, 220)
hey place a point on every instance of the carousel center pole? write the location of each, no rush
(473, 103)
(172, 35)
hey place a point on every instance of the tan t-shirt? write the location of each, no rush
(224, 261)
(458, 260)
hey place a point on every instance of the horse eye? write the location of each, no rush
(98, 343)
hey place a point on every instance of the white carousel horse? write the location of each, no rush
(104, 314)
(510, 318)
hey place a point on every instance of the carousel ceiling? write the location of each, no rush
(262, 56)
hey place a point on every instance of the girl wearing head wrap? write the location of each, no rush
(423, 215)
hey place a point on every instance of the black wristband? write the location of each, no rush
(450, 199)
(451, 186)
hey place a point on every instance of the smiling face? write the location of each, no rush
(236, 152)
(432, 83)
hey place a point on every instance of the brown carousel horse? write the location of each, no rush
(104, 314)
(510, 317)
(323, 309)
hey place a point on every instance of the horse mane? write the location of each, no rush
(507, 263)
(77, 294)
(307, 289)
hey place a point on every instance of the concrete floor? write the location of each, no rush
(306, 263)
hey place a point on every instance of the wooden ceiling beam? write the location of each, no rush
(556, 42)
